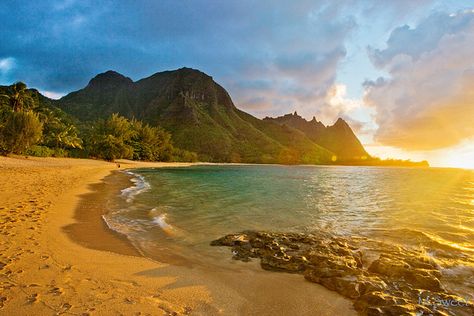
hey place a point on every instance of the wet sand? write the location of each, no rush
(89, 229)
(45, 269)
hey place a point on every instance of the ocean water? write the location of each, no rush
(174, 213)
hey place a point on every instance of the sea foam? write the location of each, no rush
(160, 220)
(140, 185)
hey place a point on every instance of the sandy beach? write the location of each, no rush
(45, 272)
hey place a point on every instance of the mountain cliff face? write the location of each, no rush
(338, 138)
(201, 117)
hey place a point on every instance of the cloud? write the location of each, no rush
(337, 104)
(282, 54)
(6, 64)
(427, 102)
(272, 56)
(52, 95)
(295, 60)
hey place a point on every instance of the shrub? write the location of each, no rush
(20, 131)
(109, 139)
(40, 151)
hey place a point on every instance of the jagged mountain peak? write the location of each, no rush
(338, 137)
(341, 123)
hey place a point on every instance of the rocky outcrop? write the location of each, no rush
(397, 282)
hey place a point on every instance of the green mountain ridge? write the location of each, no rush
(338, 138)
(202, 118)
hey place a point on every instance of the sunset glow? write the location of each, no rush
(237, 157)
(400, 73)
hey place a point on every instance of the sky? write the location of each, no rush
(400, 72)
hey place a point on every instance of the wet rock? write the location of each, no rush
(375, 298)
(346, 286)
(389, 267)
(231, 240)
(397, 268)
(387, 282)
(369, 284)
(284, 263)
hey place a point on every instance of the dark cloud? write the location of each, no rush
(284, 49)
(272, 56)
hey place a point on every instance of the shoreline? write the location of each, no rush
(89, 227)
(43, 271)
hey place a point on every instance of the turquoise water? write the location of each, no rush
(181, 210)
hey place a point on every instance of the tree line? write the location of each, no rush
(30, 124)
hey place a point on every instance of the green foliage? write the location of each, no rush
(40, 151)
(31, 124)
(150, 143)
(58, 131)
(182, 155)
(110, 139)
(18, 97)
(43, 151)
(20, 131)
(118, 137)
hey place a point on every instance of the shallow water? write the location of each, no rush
(179, 211)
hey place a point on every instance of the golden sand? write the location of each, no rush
(43, 272)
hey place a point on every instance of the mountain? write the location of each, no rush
(202, 118)
(338, 138)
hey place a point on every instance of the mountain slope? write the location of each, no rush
(338, 138)
(198, 112)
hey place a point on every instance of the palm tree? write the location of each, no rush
(58, 133)
(18, 97)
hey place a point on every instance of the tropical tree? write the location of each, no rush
(18, 97)
(57, 132)
(109, 139)
(20, 131)
(150, 143)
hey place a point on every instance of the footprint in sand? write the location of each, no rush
(33, 298)
(130, 301)
(67, 267)
(65, 307)
(6, 285)
(3, 299)
(125, 282)
(33, 285)
(56, 291)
